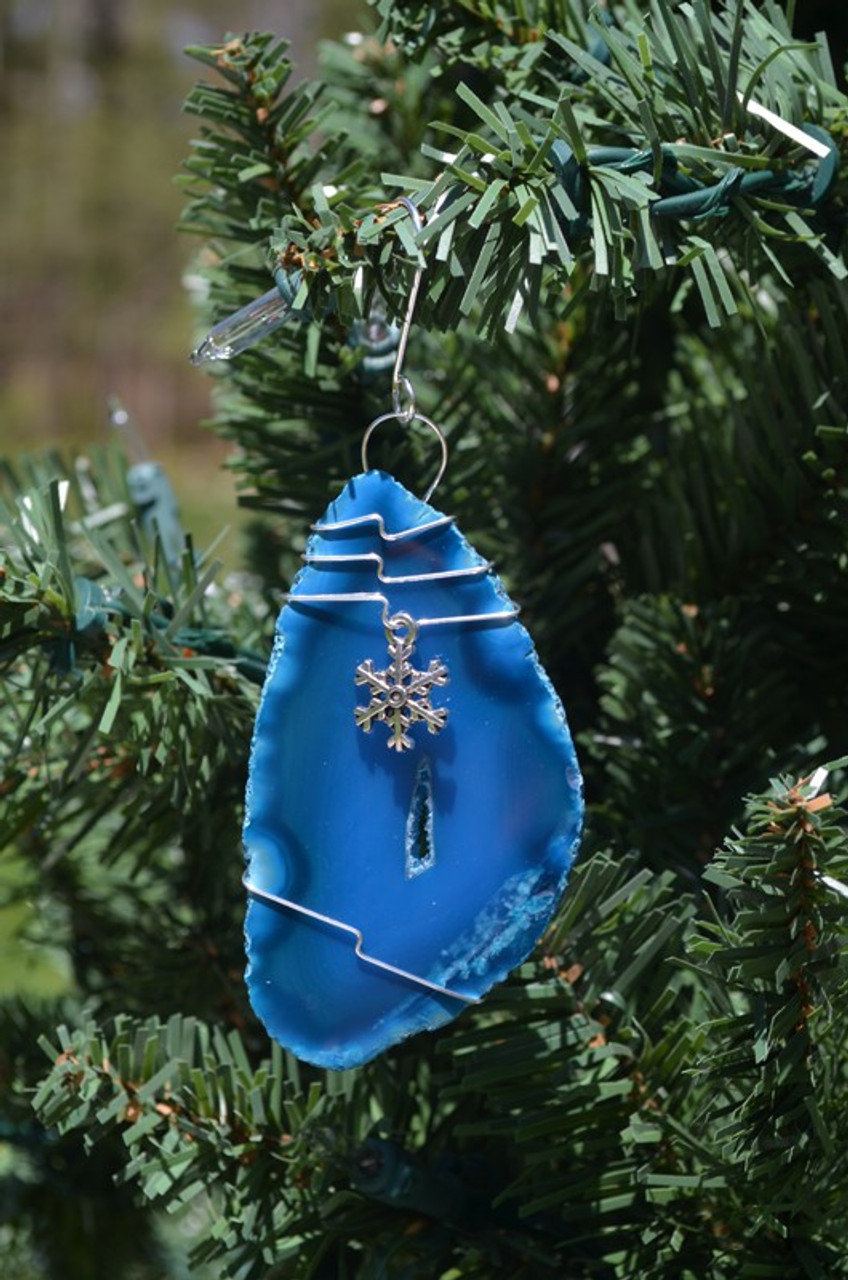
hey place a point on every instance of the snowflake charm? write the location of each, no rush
(400, 695)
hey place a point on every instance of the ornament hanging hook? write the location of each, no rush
(403, 395)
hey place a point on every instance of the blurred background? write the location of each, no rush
(92, 295)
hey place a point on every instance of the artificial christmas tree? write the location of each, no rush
(632, 331)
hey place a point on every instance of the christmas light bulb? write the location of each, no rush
(244, 328)
(121, 421)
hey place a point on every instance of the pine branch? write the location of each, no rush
(124, 746)
(198, 1116)
(572, 1087)
(337, 237)
(288, 1158)
(528, 183)
(773, 1067)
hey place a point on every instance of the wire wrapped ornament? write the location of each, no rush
(414, 802)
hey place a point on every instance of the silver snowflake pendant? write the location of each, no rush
(400, 695)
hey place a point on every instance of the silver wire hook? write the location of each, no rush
(401, 386)
(403, 394)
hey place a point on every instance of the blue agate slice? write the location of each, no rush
(393, 883)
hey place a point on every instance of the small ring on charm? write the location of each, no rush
(401, 626)
(416, 417)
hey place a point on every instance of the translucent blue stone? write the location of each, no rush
(444, 860)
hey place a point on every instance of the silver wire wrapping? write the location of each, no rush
(276, 900)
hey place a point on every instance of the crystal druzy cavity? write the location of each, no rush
(414, 802)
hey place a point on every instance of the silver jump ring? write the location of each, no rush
(401, 626)
(416, 417)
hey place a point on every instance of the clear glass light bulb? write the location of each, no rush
(121, 421)
(243, 328)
